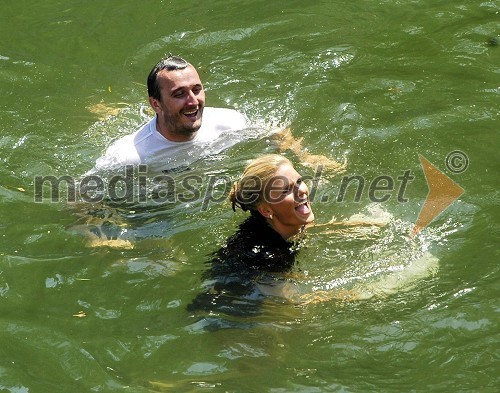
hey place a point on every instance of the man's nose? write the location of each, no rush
(192, 99)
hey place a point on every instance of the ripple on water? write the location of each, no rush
(55, 359)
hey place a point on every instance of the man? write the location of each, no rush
(176, 135)
(184, 130)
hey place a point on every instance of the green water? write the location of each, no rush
(379, 83)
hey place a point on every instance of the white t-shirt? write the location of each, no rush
(147, 146)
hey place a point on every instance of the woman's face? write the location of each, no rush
(287, 201)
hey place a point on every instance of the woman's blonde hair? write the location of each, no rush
(249, 192)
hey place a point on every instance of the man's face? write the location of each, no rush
(182, 101)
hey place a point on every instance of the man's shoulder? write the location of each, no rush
(136, 137)
(224, 118)
(125, 150)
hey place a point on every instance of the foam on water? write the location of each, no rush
(376, 260)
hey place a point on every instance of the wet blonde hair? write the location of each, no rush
(248, 192)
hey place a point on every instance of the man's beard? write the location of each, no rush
(176, 126)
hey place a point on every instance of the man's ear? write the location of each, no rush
(265, 211)
(155, 104)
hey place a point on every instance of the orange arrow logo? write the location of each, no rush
(442, 193)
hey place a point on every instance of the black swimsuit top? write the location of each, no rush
(253, 254)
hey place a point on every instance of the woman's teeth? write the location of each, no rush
(303, 208)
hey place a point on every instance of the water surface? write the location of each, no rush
(378, 84)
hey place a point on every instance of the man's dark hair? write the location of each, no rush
(169, 63)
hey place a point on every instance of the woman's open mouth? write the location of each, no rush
(303, 208)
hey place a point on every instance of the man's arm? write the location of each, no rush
(286, 141)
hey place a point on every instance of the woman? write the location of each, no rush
(256, 262)
(251, 264)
